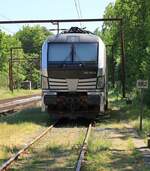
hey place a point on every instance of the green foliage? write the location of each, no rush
(136, 20)
(146, 97)
(3, 79)
(29, 42)
(6, 42)
(31, 68)
(32, 38)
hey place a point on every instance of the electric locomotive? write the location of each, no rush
(74, 74)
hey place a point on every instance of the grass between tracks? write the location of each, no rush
(57, 151)
(115, 150)
(4, 94)
(18, 129)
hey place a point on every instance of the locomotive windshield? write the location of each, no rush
(59, 52)
(85, 52)
(72, 52)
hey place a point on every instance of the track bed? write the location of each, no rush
(9, 106)
(58, 150)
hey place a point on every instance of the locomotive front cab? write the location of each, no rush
(73, 81)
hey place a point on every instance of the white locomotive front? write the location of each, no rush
(73, 73)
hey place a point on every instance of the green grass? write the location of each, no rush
(18, 129)
(107, 154)
(120, 111)
(130, 144)
(4, 94)
(98, 155)
(119, 154)
(57, 150)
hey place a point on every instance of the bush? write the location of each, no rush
(3, 80)
(147, 98)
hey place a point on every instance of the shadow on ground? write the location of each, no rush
(29, 115)
(36, 116)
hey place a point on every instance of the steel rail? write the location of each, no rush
(14, 104)
(83, 149)
(20, 101)
(18, 97)
(15, 157)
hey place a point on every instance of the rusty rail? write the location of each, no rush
(84, 148)
(11, 106)
(15, 157)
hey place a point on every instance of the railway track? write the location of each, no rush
(83, 149)
(15, 157)
(80, 159)
(13, 105)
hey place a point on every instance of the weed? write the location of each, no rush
(130, 144)
(136, 154)
(98, 156)
(18, 129)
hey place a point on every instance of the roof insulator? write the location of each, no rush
(77, 30)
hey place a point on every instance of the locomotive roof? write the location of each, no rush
(73, 37)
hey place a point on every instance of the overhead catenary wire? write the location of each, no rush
(4, 28)
(3, 16)
(78, 10)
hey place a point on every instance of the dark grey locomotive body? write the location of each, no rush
(74, 75)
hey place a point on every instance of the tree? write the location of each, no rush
(32, 38)
(136, 19)
(6, 43)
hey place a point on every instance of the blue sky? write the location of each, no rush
(50, 9)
